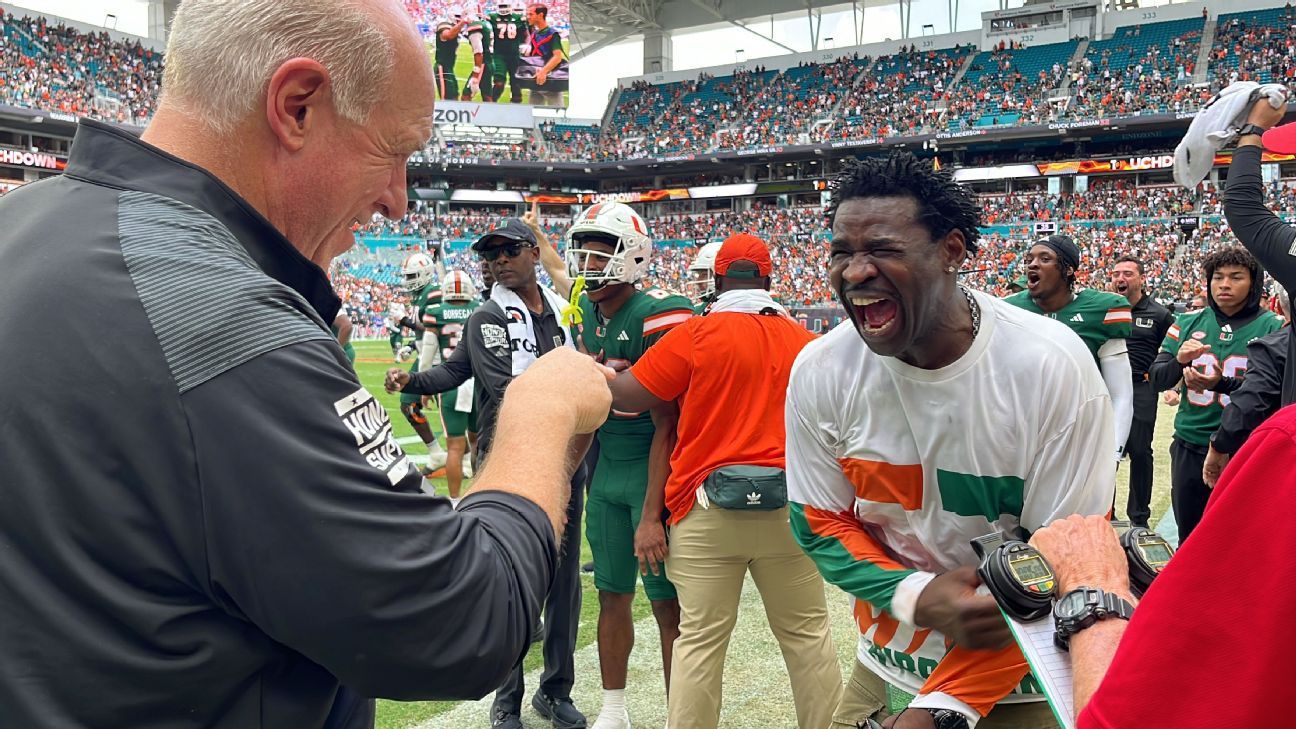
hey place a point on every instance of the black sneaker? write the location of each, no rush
(505, 720)
(588, 568)
(561, 711)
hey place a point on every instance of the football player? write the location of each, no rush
(447, 52)
(1208, 349)
(480, 38)
(419, 279)
(509, 30)
(1101, 319)
(609, 246)
(701, 280)
(445, 320)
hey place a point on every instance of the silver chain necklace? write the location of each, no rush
(975, 310)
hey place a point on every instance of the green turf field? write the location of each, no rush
(754, 668)
(464, 67)
(372, 361)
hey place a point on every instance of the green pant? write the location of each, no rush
(502, 68)
(865, 698)
(612, 514)
(456, 424)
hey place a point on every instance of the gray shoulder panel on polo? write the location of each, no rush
(211, 307)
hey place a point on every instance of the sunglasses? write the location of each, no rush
(512, 250)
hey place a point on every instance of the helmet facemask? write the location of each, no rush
(599, 268)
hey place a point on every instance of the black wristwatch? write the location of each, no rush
(1081, 608)
(946, 718)
(1255, 129)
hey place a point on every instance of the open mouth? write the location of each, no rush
(878, 315)
(1032, 279)
(1121, 287)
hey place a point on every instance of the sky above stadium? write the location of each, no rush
(594, 76)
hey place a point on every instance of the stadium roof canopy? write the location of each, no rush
(599, 23)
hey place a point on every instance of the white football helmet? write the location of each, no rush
(618, 226)
(702, 270)
(456, 12)
(504, 7)
(457, 286)
(417, 271)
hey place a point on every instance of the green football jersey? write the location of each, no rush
(482, 26)
(619, 342)
(1097, 316)
(1199, 411)
(449, 318)
(510, 32)
(446, 50)
(422, 304)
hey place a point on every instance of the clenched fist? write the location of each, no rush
(396, 380)
(1084, 551)
(564, 383)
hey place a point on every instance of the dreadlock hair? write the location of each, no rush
(943, 204)
(1230, 256)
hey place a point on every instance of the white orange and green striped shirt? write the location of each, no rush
(893, 470)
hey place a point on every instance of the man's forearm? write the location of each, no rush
(531, 453)
(1092, 650)
(663, 444)
(1263, 233)
(442, 378)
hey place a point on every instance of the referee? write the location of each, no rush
(1151, 321)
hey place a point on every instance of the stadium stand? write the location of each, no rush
(1141, 69)
(57, 68)
(1008, 86)
(1255, 46)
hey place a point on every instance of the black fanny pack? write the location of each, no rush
(746, 487)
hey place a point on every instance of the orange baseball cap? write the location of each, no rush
(744, 247)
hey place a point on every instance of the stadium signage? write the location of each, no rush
(760, 150)
(964, 133)
(450, 113)
(854, 143)
(1080, 124)
(38, 160)
(1153, 162)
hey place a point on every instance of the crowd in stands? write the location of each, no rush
(1108, 221)
(1140, 69)
(58, 68)
(1255, 47)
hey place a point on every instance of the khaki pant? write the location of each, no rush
(711, 551)
(865, 698)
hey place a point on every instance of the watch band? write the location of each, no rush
(1098, 605)
(947, 718)
(1255, 129)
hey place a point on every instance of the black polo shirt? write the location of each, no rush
(204, 519)
(1147, 333)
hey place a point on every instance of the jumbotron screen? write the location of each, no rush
(496, 51)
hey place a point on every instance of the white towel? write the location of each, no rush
(1216, 125)
(745, 301)
(521, 328)
(464, 397)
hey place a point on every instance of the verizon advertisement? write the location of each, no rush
(464, 113)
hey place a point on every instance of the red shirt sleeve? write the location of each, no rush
(665, 369)
(1210, 645)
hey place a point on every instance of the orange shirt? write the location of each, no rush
(730, 373)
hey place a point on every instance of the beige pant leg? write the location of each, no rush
(707, 566)
(793, 593)
(865, 697)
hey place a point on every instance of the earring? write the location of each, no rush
(950, 269)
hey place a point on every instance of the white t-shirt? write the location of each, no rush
(893, 470)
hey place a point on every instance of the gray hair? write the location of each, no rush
(221, 54)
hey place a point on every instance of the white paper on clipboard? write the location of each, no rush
(1050, 665)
